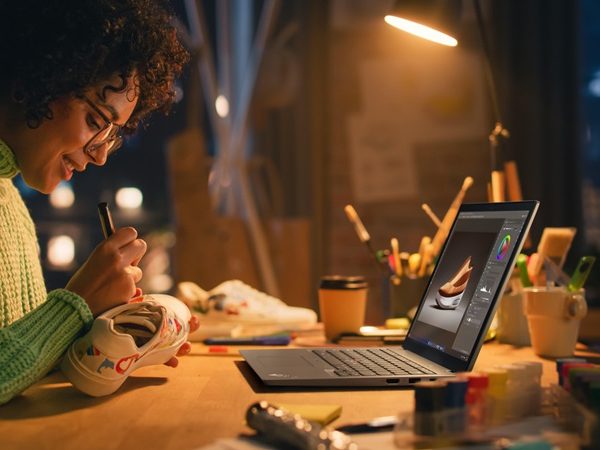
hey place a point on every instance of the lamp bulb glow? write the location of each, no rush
(62, 197)
(222, 106)
(61, 251)
(421, 31)
(129, 198)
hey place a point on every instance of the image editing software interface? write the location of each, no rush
(468, 275)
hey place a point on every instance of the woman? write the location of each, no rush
(75, 77)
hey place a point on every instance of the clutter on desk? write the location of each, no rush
(491, 407)
(235, 309)
(576, 399)
(543, 305)
(499, 407)
(288, 430)
(405, 273)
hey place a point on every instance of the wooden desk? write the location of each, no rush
(205, 398)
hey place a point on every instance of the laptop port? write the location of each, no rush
(413, 380)
(392, 380)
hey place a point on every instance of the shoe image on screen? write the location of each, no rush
(451, 292)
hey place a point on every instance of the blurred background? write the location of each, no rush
(292, 109)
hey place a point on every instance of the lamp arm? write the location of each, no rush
(499, 132)
(488, 69)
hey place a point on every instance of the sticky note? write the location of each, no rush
(322, 414)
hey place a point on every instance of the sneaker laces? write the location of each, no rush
(140, 323)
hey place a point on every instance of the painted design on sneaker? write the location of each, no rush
(451, 292)
(107, 363)
(123, 339)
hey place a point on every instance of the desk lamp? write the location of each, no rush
(437, 21)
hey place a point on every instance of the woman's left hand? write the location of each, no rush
(186, 347)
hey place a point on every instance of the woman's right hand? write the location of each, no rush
(108, 278)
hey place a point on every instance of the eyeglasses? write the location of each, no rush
(108, 138)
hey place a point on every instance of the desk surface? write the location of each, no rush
(205, 398)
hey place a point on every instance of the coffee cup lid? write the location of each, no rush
(343, 282)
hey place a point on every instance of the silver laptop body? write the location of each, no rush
(444, 338)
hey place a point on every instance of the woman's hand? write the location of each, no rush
(186, 347)
(108, 278)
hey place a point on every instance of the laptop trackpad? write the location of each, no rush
(284, 361)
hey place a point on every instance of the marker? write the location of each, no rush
(218, 350)
(385, 423)
(256, 340)
(523, 275)
(396, 256)
(582, 271)
(108, 227)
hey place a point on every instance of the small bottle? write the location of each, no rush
(496, 405)
(534, 386)
(429, 408)
(562, 361)
(455, 406)
(515, 391)
(476, 399)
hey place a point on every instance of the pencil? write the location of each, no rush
(435, 219)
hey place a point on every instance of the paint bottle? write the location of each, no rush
(476, 399)
(533, 387)
(496, 396)
(455, 406)
(429, 417)
(562, 361)
(515, 391)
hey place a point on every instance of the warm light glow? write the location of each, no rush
(63, 196)
(161, 283)
(222, 106)
(421, 31)
(129, 198)
(61, 251)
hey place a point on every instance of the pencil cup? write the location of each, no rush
(342, 304)
(512, 322)
(553, 315)
(404, 296)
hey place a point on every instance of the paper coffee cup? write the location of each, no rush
(342, 304)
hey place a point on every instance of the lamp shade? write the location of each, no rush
(435, 20)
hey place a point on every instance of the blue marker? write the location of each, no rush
(257, 340)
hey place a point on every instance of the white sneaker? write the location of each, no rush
(235, 303)
(124, 338)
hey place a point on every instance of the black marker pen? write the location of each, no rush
(108, 228)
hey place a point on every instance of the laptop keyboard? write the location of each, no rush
(369, 362)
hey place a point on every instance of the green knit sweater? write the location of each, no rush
(36, 327)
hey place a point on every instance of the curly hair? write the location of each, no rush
(50, 49)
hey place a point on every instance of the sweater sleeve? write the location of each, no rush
(31, 346)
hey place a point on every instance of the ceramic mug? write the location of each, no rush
(553, 316)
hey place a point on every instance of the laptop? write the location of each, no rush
(451, 321)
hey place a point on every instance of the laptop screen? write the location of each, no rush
(471, 270)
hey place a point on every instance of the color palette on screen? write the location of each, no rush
(503, 248)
